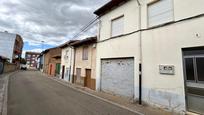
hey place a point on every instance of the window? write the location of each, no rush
(189, 69)
(28, 56)
(194, 69)
(117, 26)
(200, 66)
(85, 53)
(160, 12)
(67, 51)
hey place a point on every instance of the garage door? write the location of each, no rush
(117, 76)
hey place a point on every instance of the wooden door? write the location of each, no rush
(78, 75)
(87, 81)
(50, 69)
(63, 68)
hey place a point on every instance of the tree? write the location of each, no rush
(23, 61)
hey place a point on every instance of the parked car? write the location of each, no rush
(23, 67)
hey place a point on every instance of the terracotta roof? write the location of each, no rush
(67, 43)
(84, 41)
(110, 5)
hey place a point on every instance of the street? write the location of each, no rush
(30, 93)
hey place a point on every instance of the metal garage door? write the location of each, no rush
(117, 76)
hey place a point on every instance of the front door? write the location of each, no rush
(194, 80)
(78, 75)
(67, 75)
(57, 71)
(50, 69)
(87, 81)
(63, 68)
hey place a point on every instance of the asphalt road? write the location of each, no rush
(30, 93)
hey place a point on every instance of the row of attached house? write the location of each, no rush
(73, 61)
(151, 51)
(79, 61)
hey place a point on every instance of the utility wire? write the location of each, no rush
(86, 27)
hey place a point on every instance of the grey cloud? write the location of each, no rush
(54, 21)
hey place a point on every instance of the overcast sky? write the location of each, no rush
(52, 21)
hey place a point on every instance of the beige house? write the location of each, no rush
(153, 51)
(85, 62)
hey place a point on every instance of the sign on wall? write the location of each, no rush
(167, 69)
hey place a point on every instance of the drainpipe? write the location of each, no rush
(140, 59)
(70, 66)
(73, 64)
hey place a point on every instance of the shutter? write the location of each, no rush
(117, 26)
(160, 12)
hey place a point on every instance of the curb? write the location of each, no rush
(103, 99)
(5, 93)
(5, 96)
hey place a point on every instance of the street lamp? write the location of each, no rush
(42, 45)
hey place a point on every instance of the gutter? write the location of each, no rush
(140, 58)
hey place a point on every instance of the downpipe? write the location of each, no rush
(140, 47)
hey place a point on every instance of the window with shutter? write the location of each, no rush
(160, 12)
(117, 26)
(85, 53)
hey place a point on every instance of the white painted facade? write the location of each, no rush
(7, 41)
(67, 60)
(160, 46)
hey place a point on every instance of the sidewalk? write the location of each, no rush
(4, 78)
(116, 100)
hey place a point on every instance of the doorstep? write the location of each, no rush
(116, 100)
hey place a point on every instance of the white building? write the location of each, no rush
(67, 61)
(11, 46)
(162, 38)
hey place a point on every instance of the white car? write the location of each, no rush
(23, 67)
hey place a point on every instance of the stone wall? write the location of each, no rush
(8, 67)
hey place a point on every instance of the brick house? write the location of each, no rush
(52, 61)
(31, 59)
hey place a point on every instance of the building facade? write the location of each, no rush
(52, 61)
(157, 47)
(31, 59)
(67, 61)
(85, 62)
(11, 46)
(2, 63)
(40, 61)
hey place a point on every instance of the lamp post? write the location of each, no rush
(42, 45)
